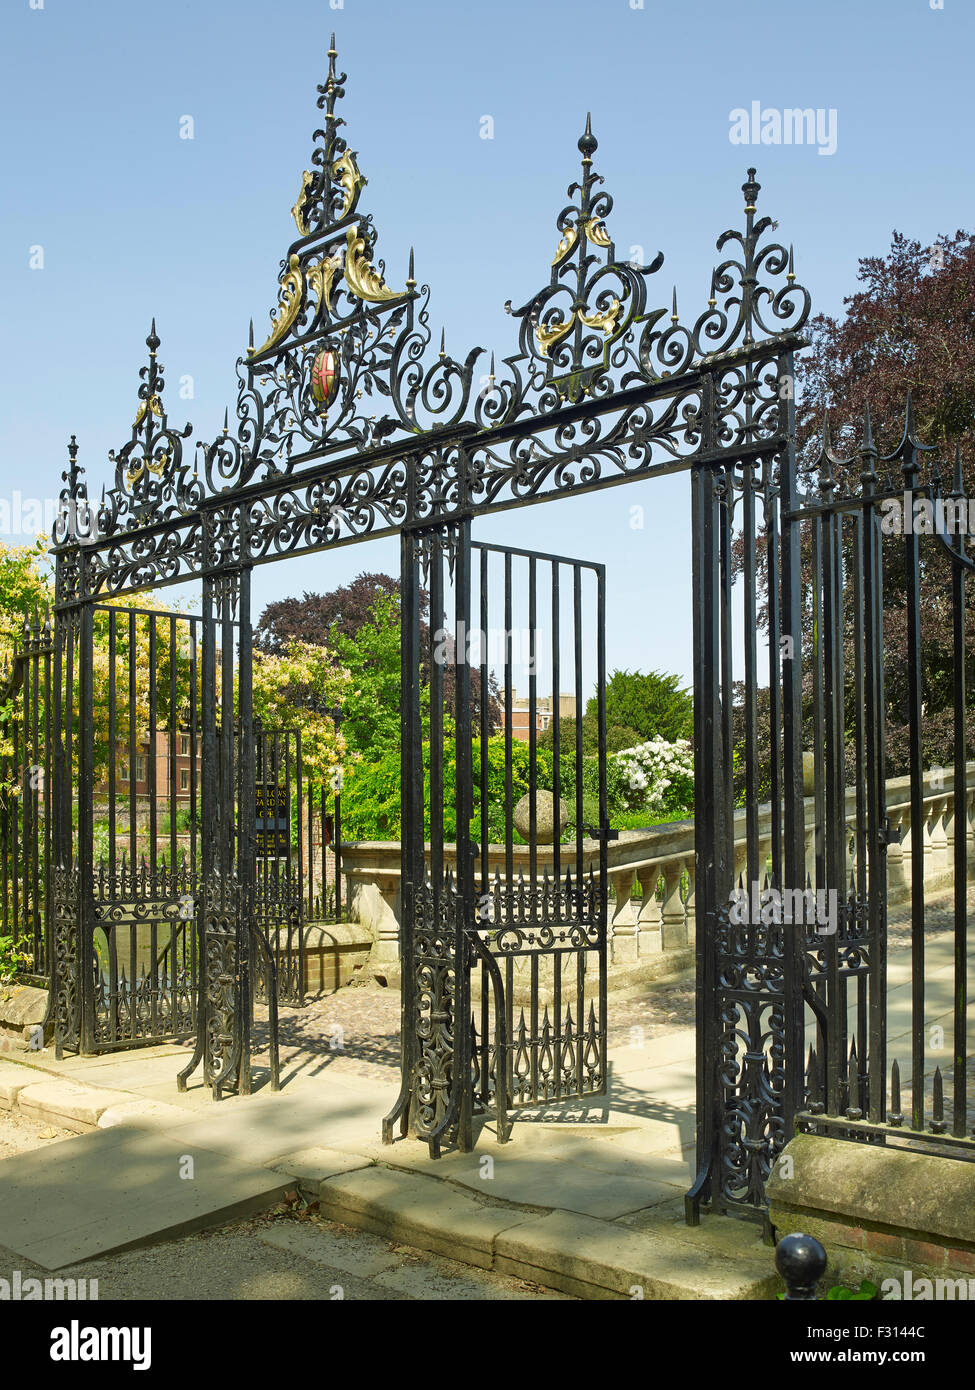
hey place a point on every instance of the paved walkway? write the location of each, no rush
(587, 1197)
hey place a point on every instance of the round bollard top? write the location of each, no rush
(801, 1260)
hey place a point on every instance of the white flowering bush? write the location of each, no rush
(656, 777)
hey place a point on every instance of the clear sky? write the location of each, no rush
(134, 221)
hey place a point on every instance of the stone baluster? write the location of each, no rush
(810, 858)
(908, 838)
(936, 842)
(898, 855)
(950, 831)
(690, 905)
(741, 866)
(650, 938)
(625, 924)
(673, 922)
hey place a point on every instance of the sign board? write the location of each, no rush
(272, 821)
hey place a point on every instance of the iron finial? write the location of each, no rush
(868, 450)
(73, 473)
(801, 1260)
(588, 143)
(751, 189)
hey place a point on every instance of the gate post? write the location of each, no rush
(67, 987)
(411, 807)
(751, 977)
(710, 855)
(435, 1093)
(794, 982)
(84, 924)
(223, 1038)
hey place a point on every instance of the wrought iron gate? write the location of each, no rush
(350, 423)
(504, 905)
(25, 801)
(129, 856)
(279, 903)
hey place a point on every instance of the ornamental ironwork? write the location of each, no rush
(352, 419)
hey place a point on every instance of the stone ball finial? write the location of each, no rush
(801, 1260)
(544, 817)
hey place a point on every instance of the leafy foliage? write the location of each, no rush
(371, 794)
(652, 703)
(361, 623)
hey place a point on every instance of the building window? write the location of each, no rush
(184, 779)
(184, 745)
(123, 770)
(140, 768)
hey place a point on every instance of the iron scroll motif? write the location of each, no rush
(605, 385)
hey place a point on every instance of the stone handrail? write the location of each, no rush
(658, 920)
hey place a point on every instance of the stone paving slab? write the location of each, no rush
(13, 1080)
(599, 1259)
(418, 1210)
(68, 1104)
(312, 1166)
(146, 1114)
(115, 1188)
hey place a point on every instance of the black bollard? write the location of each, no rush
(801, 1261)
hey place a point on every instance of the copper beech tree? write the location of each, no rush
(909, 330)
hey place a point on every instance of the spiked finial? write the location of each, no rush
(868, 443)
(673, 314)
(868, 450)
(895, 1117)
(792, 265)
(73, 473)
(152, 342)
(588, 143)
(411, 277)
(226, 420)
(751, 189)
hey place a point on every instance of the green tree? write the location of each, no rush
(652, 703)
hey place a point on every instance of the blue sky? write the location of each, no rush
(136, 222)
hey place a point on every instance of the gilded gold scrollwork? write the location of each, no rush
(154, 403)
(298, 211)
(320, 277)
(360, 276)
(344, 170)
(569, 237)
(290, 301)
(606, 320)
(595, 230)
(550, 334)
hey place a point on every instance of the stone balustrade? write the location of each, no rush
(651, 872)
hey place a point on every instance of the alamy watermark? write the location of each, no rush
(767, 907)
(791, 125)
(17, 1289)
(925, 516)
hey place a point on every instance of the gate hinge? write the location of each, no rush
(603, 832)
(888, 835)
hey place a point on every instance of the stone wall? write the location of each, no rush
(881, 1212)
